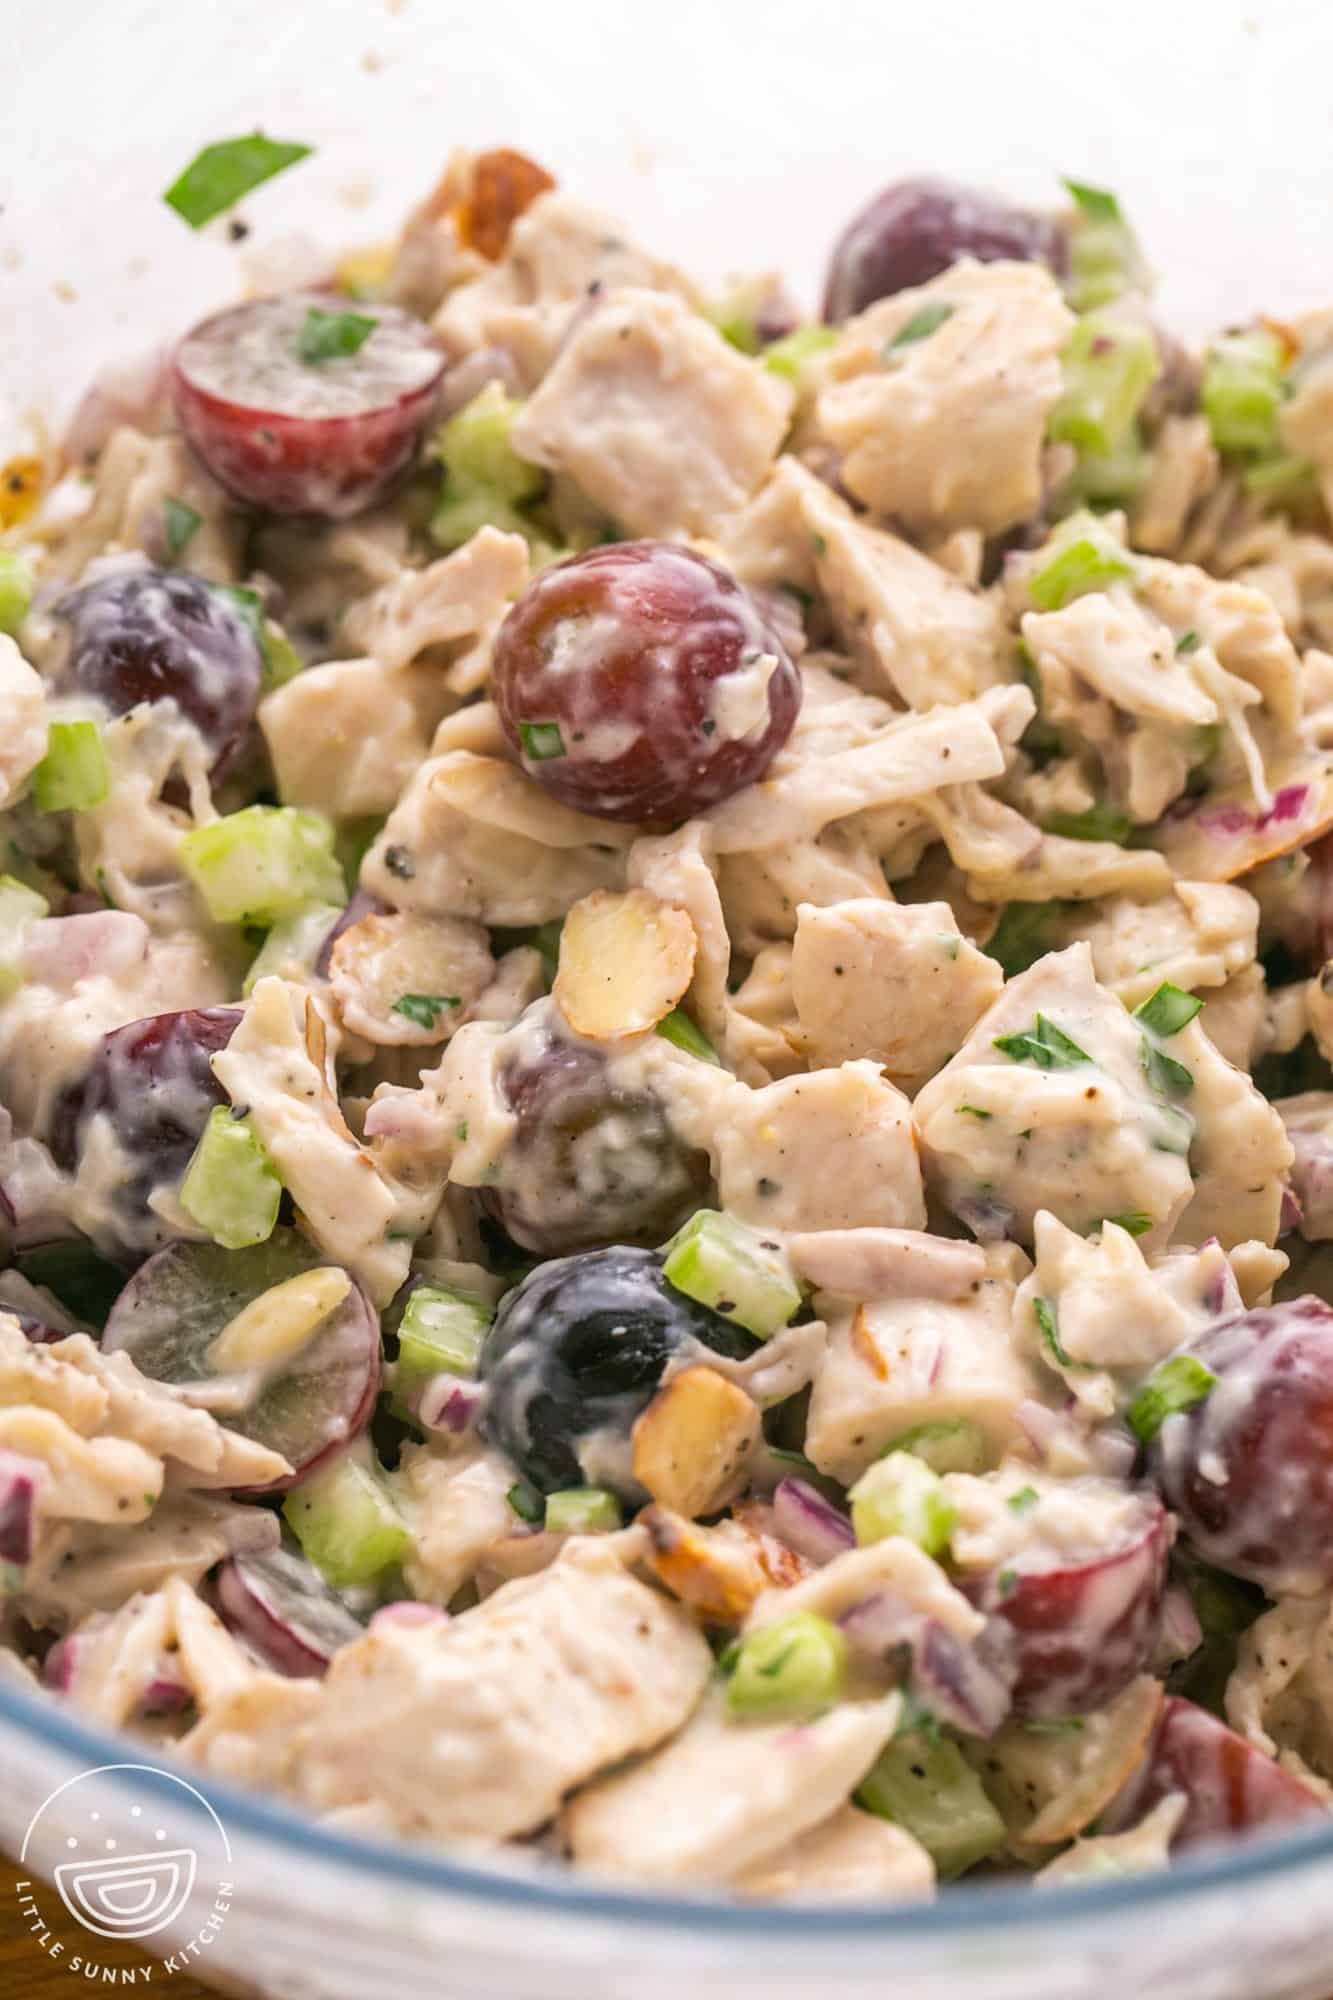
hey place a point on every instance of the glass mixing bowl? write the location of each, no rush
(737, 135)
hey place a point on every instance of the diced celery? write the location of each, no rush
(901, 1495)
(794, 1667)
(231, 1188)
(736, 1270)
(73, 774)
(282, 662)
(1243, 390)
(1110, 481)
(292, 946)
(947, 1444)
(1286, 481)
(1109, 366)
(677, 1027)
(582, 1510)
(1105, 259)
(441, 1331)
(474, 446)
(735, 313)
(928, 1787)
(1087, 559)
(262, 864)
(19, 906)
(790, 356)
(344, 1517)
(15, 590)
(464, 510)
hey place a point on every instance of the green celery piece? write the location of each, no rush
(263, 863)
(1087, 559)
(292, 946)
(735, 1270)
(73, 776)
(1282, 480)
(901, 1495)
(345, 1519)
(946, 1444)
(15, 591)
(1167, 1010)
(441, 1332)
(1099, 822)
(474, 448)
(541, 741)
(794, 1667)
(1243, 391)
(1109, 366)
(677, 1027)
(924, 1784)
(734, 315)
(221, 174)
(1177, 1385)
(19, 906)
(526, 1502)
(791, 356)
(1105, 259)
(231, 1188)
(582, 1510)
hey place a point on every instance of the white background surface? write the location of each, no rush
(731, 134)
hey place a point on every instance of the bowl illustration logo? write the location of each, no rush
(127, 1846)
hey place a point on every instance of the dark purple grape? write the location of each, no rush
(578, 1349)
(590, 1163)
(915, 229)
(640, 681)
(324, 436)
(159, 635)
(154, 1083)
(1248, 1469)
(309, 1405)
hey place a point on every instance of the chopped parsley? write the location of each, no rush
(1023, 1501)
(1167, 1076)
(541, 740)
(1044, 1314)
(1188, 642)
(1177, 1385)
(179, 524)
(973, 1111)
(1098, 203)
(526, 1502)
(423, 1008)
(216, 178)
(1053, 1725)
(1134, 1222)
(926, 320)
(1099, 822)
(1007, 1581)
(460, 1131)
(332, 336)
(1168, 1010)
(1044, 1044)
(1023, 935)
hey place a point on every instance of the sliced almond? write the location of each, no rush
(1048, 1782)
(625, 960)
(404, 980)
(718, 1574)
(280, 1321)
(692, 1443)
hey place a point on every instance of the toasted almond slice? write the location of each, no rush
(625, 960)
(1049, 1782)
(692, 1443)
(717, 1573)
(280, 1321)
(404, 980)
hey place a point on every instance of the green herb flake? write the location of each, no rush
(1168, 1010)
(423, 1008)
(216, 178)
(1098, 203)
(1044, 1044)
(1054, 1725)
(1007, 1582)
(1177, 1385)
(332, 336)
(1023, 935)
(1044, 1314)
(1023, 1501)
(1167, 1076)
(1134, 1222)
(461, 1131)
(541, 740)
(179, 524)
(526, 1502)
(927, 320)
(1099, 822)
(1188, 642)
(973, 1111)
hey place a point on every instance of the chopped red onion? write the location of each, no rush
(163, 1697)
(449, 1403)
(809, 1523)
(19, 1481)
(1180, 1634)
(965, 1685)
(406, 1611)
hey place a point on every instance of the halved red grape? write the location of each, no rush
(641, 681)
(306, 436)
(154, 1082)
(282, 1606)
(591, 1163)
(1229, 1787)
(158, 635)
(310, 1403)
(915, 229)
(1249, 1468)
(1084, 1624)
